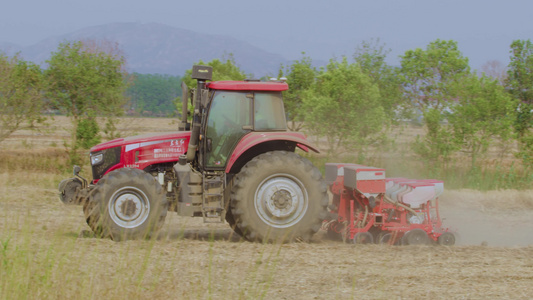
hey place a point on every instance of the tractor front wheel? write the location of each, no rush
(278, 196)
(126, 204)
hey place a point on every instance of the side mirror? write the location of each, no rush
(76, 170)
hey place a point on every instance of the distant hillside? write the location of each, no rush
(157, 48)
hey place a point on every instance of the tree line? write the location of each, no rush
(83, 80)
(351, 102)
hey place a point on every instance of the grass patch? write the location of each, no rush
(50, 160)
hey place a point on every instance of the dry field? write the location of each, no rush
(47, 253)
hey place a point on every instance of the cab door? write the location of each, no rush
(228, 120)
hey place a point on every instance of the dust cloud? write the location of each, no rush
(493, 218)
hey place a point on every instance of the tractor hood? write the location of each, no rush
(142, 140)
(138, 152)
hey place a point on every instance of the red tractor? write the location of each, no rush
(236, 162)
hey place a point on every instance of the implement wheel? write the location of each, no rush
(363, 238)
(126, 204)
(278, 196)
(336, 231)
(385, 238)
(446, 239)
(415, 236)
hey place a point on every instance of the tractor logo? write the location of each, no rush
(174, 149)
(177, 143)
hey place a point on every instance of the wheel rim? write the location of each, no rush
(129, 207)
(281, 200)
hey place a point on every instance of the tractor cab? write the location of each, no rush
(236, 109)
(226, 112)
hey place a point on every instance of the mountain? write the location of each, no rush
(158, 48)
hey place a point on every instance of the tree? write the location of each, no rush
(427, 77)
(343, 106)
(438, 145)
(520, 83)
(482, 115)
(370, 56)
(300, 77)
(20, 94)
(525, 152)
(495, 69)
(427, 74)
(85, 82)
(154, 93)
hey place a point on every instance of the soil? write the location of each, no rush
(493, 257)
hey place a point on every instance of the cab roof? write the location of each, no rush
(248, 86)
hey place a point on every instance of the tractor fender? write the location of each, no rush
(255, 138)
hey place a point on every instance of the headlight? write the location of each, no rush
(96, 159)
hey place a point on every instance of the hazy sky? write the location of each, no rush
(323, 29)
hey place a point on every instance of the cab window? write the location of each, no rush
(268, 112)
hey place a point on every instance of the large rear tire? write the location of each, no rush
(278, 196)
(231, 221)
(126, 204)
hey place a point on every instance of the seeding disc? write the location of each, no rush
(415, 237)
(446, 239)
(385, 238)
(363, 238)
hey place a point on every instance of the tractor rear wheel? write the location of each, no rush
(278, 196)
(231, 221)
(126, 204)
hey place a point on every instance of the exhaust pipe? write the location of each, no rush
(184, 102)
(200, 73)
